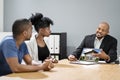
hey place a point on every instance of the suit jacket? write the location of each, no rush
(109, 46)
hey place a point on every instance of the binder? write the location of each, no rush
(57, 44)
(51, 44)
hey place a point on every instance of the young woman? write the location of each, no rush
(37, 46)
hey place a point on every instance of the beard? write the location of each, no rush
(28, 38)
(99, 36)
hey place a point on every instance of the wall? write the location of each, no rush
(76, 17)
(1, 15)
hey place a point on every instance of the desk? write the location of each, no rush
(66, 71)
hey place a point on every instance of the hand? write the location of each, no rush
(72, 58)
(47, 65)
(54, 60)
(101, 55)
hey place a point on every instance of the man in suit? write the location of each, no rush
(100, 40)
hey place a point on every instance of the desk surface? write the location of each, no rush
(66, 71)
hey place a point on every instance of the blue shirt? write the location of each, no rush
(8, 49)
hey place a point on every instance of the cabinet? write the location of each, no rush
(57, 44)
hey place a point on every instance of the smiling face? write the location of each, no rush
(102, 30)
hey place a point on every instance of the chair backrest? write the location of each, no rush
(3, 34)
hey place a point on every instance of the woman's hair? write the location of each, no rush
(19, 26)
(40, 22)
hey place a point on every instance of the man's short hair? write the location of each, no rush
(19, 26)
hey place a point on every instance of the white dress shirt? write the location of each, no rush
(97, 43)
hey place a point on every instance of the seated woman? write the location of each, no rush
(36, 45)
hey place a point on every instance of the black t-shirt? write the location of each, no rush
(43, 52)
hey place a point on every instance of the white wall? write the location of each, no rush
(76, 17)
(1, 15)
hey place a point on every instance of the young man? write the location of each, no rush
(100, 40)
(13, 50)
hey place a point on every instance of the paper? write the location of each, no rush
(83, 62)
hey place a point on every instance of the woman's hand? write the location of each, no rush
(47, 65)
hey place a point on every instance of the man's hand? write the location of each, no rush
(47, 65)
(72, 58)
(102, 55)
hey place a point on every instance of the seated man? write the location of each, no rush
(100, 40)
(13, 49)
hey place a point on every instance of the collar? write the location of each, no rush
(98, 39)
